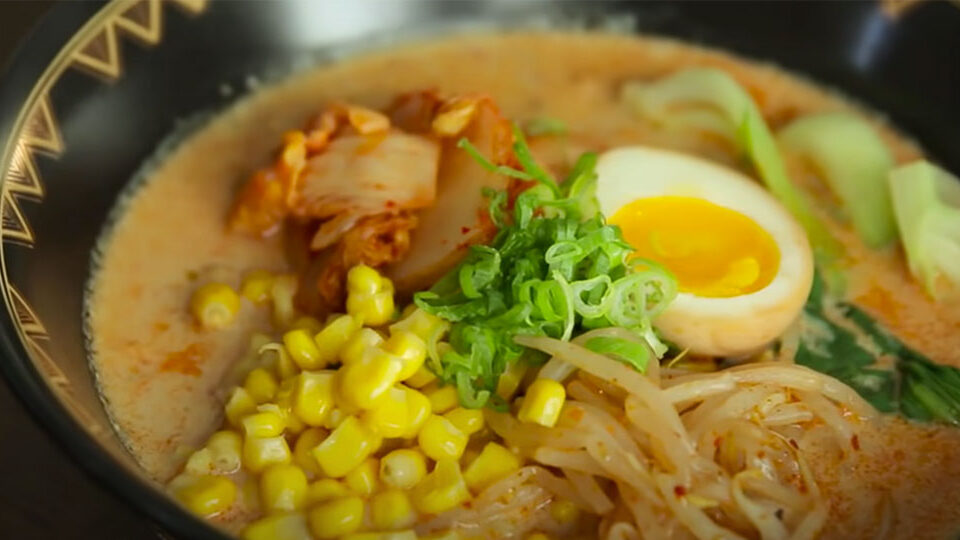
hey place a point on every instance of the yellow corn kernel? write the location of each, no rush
(256, 286)
(405, 312)
(262, 424)
(408, 534)
(362, 279)
(537, 536)
(424, 325)
(418, 411)
(303, 349)
(469, 421)
(358, 344)
(363, 479)
(284, 402)
(442, 489)
(345, 448)
(403, 468)
(239, 404)
(564, 512)
(334, 336)
(274, 356)
(260, 453)
(313, 396)
(421, 378)
(440, 439)
(411, 350)
(261, 385)
(326, 489)
(510, 379)
(291, 423)
(336, 517)
(305, 322)
(199, 463)
(283, 488)
(542, 403)
(362, 383)
(303, 450)
(279, 527)
(389, 416)
(215, 305)
(391, 510)
(442, 398)
(336, 417)
(493, 463)
(204, 495)
(373, 309)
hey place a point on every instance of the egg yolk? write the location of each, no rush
(713, 251)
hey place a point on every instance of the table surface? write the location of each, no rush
(43, 494)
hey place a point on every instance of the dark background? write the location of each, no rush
(43, 495)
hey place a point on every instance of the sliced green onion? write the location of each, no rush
(629, 352)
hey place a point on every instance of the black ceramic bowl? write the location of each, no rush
(96, 87)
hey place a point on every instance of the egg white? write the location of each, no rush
(729, 327)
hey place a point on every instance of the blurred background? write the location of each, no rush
(43, 495)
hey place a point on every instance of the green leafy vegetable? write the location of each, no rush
(911, 384)
(926, 202)
(629, 352)
(854, 162)
(553, 269)
(719, 98)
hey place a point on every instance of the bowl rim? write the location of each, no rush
(54, 41)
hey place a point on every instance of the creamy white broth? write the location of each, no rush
(162, 378)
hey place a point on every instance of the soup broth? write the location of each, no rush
(163, 379)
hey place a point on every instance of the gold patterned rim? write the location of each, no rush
(96, 50)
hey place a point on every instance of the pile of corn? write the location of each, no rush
(344, 430)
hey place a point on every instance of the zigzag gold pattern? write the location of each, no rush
(143, 19)
(15, 227)
(35, 335)
(95, 49)
(41, 131)
(99, 54)
(40, 134)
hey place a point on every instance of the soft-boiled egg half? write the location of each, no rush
(743, 265)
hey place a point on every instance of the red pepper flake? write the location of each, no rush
(717, 442)
(391, 204)
(855, 442)
(464, 230)
(679, 491)
(184, 361)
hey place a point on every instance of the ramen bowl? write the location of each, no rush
(97, 87)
